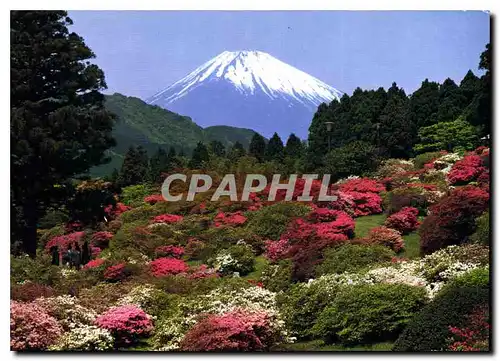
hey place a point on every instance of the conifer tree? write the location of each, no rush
(236, 151)
(158, 164)
(216, 148)
(294, 148)
(199, 156)
(257, 147)
(274, 149)
(134, 168)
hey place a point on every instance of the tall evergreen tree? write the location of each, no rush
(216, 148)
(257, 147)
(470, 86)
(294, 147)
(424, 103)
(236, 151)
(158, 164)
(134, 168)
(59, 125)
(318, 137)
(274, 149)
(451, 102)
(199, 156)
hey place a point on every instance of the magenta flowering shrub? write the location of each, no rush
(167, 266)
(117, 272)
(167, 218)
(238, 330)
(94, 263)
(154, 198)
(362, 185)
(466, 170)
(229, 219)
(202, 272)
(65, 241)
(404, 221)
(276, 250)
(115, 211)
(31, 328)
(169, 251)
(101, 239)
(365, 203)
(126, 323)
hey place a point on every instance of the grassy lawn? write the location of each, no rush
(412, 245)
(318, 345)
(364, 224)
(260, 264)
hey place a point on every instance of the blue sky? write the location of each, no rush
(142, 52)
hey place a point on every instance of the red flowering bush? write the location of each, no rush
(386, 237)
(167, 266)
(94, 263)
(298, 190)
(333, 221)
(126, 323)
(365, 203)
(154, 198)
(65, 241)
(167, 218)
(229, 219)
(101, 239)
(202, 272)
(29, 291)
(452, 219)
(169, 251)
(238, 330)
(404, 221)
(115, 211)
(277, 250)
(466, 170)
(474, 337)
(31, 328)
(362, 185)
(117, 272)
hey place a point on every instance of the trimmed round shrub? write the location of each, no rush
(369, 313)
(277, 277)
(386, 237)
(429, 329)
(452, 220)
(238, 330)
(29, 291)
(31, 328)
(352, 257)
(399, 198)
(126, 323)
(420, 160)
(238, 258)
(118, 272)
(39, 270)
(84, 338)
(102, 296)
(483, 229)
(404, 221)
(167, 266)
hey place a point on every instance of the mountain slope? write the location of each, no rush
(250, 89)
(151, 127)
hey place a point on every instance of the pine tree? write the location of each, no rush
(199, 156)
(134, 168)
(59, 125)
(257, 147)
(158, 164)
(424, 104)
(470, 86)
(274, 149)
(294, 148)
(451, 102)
(318, 138)
(216, 148)
(236, 152)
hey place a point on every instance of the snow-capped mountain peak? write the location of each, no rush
(248, 72)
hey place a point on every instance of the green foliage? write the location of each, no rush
(134, 168)
(275, 149)
(237, 258)
(134, 236)
(420, 160)
(424, 103)
(53, 218)
(369, 313)
(457, 134)
(356, 158)
(483, 229)
(278, 277)
(352, 257)
(236, 152)
(141, 213)
(257, 147)
(365, 223)
(134, 195)
(59, 127)
(429, 329)
(477, 277)
(38, 270)
(199, 156)
(159, 163)
(216, 148)
(294, 148)
(271, 221)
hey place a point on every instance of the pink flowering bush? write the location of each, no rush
(202, 271)
(167, 218)
(474, 337)
(404, 221)
(31, 328)
(466, 170)
(365, 203)
(117, 272)
(238, 330)
(229, 219)
(332, 221)
(276, 250)
(154, 198)
(101, 239)
(362, 185)
(386, 237)
(167, 266)
(65, 241)
(169, 251)
(119, 208)
(94, 264)
(126, 323)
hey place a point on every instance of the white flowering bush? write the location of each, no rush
(140, 296)
(67, 310)
(84, 338)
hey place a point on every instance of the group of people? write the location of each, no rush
(72, 257)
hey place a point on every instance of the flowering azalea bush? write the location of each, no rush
(466, 170)
(237, 330)
(115, 211)
(386, 237)
(404, 221)
(117, 272)
(362, 185)
(476, 335)
(101, 239)
(167, 218)
(95, 263)
(365, 203)
(229, 219)
(31, 328)
(29, 291)
(84, 338)
(126, 323)
(167, 266)
(154, 198)
(277, 250)
(66, 241)
(169, 251)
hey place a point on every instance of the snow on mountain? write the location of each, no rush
(248, 89)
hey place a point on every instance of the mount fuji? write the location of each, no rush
(248, 89)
